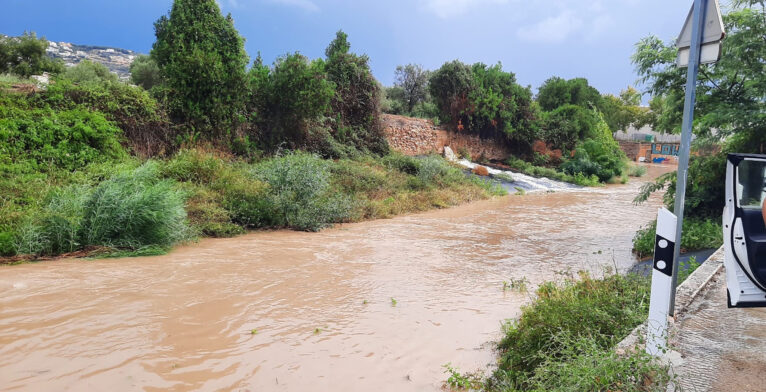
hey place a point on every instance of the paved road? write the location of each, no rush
(722, 349)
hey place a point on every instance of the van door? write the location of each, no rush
(744, 230)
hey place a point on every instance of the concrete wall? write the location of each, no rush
(415, 136)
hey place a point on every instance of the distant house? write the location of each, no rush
(646, 134)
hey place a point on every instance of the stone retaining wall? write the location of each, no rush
(416, 136)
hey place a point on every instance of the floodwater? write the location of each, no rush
(373, 306)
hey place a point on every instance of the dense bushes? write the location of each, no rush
(564, 339)
(143, 121)
(39, 138)
(135, 209)
(557, 92)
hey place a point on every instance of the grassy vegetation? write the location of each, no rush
(564, 340)
(697, 235)
(9, 80)
(540, 171)
(130, 206)
(635, 170)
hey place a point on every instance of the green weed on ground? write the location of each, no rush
(564, 340)
(696, 235)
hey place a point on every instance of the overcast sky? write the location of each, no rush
(535, 39)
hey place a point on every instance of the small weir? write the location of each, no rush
(523, 181)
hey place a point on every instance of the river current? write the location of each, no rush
(372, 306)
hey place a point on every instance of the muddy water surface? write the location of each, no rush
(321, 305)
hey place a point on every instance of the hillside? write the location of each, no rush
(117, 60)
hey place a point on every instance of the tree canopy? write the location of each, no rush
(556, 92)
(202, 61)
(412, 79)
(730, 108)
(26, 55)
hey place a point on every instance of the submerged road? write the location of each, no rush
(379, 305)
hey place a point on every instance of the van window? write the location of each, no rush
(751, 187)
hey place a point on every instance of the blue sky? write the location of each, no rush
(533, 38)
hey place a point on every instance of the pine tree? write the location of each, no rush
(202, 62)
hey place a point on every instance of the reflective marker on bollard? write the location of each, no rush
(662, 283)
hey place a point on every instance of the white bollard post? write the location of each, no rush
(662, 283)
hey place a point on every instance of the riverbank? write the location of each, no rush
(320, 303)
(134, 207)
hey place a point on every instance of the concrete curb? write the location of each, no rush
(685, 294)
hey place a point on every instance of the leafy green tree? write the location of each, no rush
(394, 101)
(449, 86)
(90, 72)
(624, 111)
(290, 99)
(356, 103)
(569, 124)
(202, 62)
(556, 92)
(730, 102)
(26, 56)
(412, 79)
(144, 72)
(485, 100)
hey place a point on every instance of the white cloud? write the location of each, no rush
(306, 5)
(551, 30)
(449, 8)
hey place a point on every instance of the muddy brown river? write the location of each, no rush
(373, 306)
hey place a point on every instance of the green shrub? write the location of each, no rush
(696, 235)
(431, 168)
(356, 102)
(205, 213)
(300, 195)
(88, 71)
(590, 367)
(193, 166)
(134, 210)
(246, 198)
(483, 99)
(604, 310)
(290, 99)
(637, 170)
(357, 177)
(41, 139)
(557, 92)
(141, 118)
(537, 171)
(144, 72)
(402, 163)
(7, 243)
